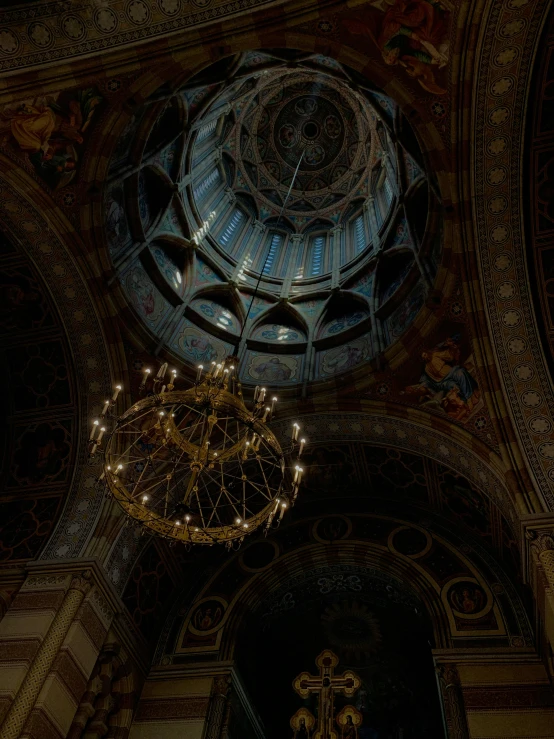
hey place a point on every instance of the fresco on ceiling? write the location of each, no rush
(168, 159)
(204, 274)
(117, 228)
(194, 98)
(273, 370)
(171, 222)
(402, 318)
(126, 138)
(216, 314)
(447, 378)
(258, 305)
(145, 296)
(50, 131)
(172, 273)
(196, 346)
(341, 323)
(279, 333)
(344, 358)
(311, 309)
(412, 35)
(364, 284)
(399, 236)
(413, 170)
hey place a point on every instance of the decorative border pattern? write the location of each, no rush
(503, 70)
(58, 31)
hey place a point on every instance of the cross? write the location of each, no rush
(326, 685)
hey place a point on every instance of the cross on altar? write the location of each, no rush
(326, 685)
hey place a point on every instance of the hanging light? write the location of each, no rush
(198, 465)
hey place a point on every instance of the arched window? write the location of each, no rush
(358, 233)
(232, 229)
(276, 241)
(202, 190)
(316, 257)
(387, 191)
(206, 130)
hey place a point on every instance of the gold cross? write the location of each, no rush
(325, 686)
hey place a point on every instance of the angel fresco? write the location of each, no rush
(50, 131)
(409, 33)
(446, 380)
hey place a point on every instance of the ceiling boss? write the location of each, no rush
(198, 465)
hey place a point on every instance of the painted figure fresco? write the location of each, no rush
(207, 616)
(116, 220)
(144, 295)
(343, 358)
(446, 380)
(199, 348)
(273, 369)
(50, 131)
(412, 34)
(466, 597)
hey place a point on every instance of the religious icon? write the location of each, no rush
(410, 33)
(446, 380)
(467, 597)
(302, 724)
(207, 617)
(326, 686)
(348, 721)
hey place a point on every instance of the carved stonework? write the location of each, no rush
(453, 701)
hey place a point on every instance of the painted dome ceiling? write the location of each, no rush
(277, 205)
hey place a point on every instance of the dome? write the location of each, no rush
(278, 206)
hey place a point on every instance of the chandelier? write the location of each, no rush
(197, 465)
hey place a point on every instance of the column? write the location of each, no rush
(223, 215)
(500, 693)
(371, 221)
(539, 571)
(218, 708)
(391, 174)
(35, 677)
(336, 248)
(49, 642)
(453, 701)
(296, 245)
(244, 259)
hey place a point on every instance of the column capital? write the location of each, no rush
(541, 540)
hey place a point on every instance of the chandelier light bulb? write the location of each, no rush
(95, 425)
